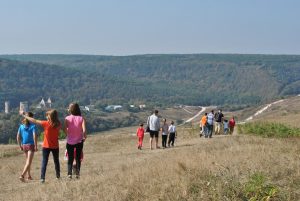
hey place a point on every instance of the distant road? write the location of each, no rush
(187, 110)
(262, 110)
(198, 114)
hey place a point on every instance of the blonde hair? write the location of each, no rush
(52, 117)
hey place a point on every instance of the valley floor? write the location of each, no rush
(195, 169)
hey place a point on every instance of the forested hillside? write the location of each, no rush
(168, 79)
(154, 80)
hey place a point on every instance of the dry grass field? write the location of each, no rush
(235, 167)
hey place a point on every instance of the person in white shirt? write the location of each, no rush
(172, 135)
(154, 126)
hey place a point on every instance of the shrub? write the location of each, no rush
(256, 188)
(267, 129)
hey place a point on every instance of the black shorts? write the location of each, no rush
(153, 133)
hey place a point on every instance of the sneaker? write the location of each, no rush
(29, 178)
(42, 181)
(77, 176)
(69, 176)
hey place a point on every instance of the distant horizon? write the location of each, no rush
(145, 54)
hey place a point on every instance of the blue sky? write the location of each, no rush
(127, 27)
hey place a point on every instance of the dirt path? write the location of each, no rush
(197, 115)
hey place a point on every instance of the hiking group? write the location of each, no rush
(154, 127)
(217, 122)
(74, 128)
(210, 123)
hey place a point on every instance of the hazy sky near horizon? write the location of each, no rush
(126, 27)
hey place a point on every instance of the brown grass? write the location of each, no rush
(286, 112)
(196, 169)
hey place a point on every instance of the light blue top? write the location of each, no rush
(225, 124)
(26, 133)
(210, 118)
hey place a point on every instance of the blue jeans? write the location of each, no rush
(46, 153)
(209, 131)
(204, 130)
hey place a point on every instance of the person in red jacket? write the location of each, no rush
(231, 125)
(140, 133)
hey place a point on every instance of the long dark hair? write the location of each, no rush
(75, 109)
(25, 121)
(52, 117)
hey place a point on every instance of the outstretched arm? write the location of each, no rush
(33, 120)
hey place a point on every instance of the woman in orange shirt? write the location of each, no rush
(50, 144)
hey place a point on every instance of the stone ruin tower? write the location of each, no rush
(6, 106)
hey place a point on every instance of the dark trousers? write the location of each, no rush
(164, 140)
(46, 153)
(171, 139)
(70, 150)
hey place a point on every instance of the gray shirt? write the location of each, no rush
(164, 129)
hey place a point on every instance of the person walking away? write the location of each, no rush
(140, 134)
(164, 133)
(231, 125)
(225, 123)
(173, 134)
(74, 163)
(27, 140)
(154, 126)
(203, 123)
(218, 118)
(51, 127)
(75, 128)
(210, 124)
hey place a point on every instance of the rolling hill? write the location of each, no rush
(230, 81)
(204, 79)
